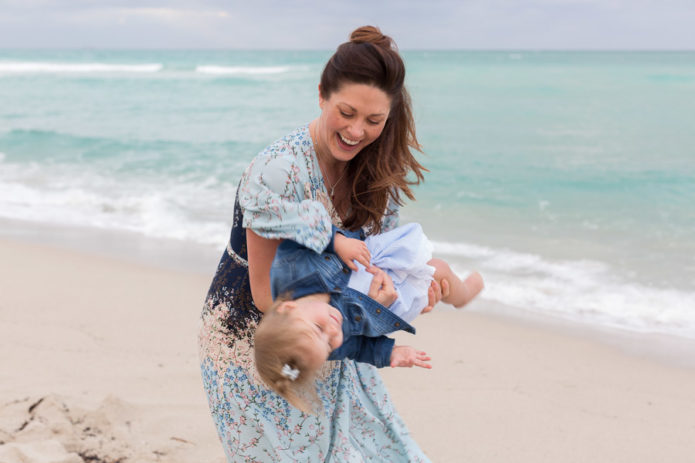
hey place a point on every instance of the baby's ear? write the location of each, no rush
(286, 306)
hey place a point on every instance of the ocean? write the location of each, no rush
(566, 178)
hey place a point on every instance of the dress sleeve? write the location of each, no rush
(271, 197)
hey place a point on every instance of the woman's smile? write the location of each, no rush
(350, 143)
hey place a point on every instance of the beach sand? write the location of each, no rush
(99, 363)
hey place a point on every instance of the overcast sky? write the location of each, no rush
(313, 24)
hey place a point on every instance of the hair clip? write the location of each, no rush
(289, 372)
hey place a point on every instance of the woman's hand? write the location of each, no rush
(435, 294)
(381, 289)
(406, 356)
(350, 249)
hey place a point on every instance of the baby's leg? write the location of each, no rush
(460, 292)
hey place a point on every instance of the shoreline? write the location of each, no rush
(202, 260)
(117, 338)
(164, 253)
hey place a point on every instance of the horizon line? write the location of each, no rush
(495, 49)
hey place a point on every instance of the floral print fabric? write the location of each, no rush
(281, 196)
(272, 193)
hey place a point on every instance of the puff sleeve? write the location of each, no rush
(271, 196)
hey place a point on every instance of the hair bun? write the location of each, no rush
(371, 34)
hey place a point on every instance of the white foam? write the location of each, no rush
(199, 210)
(472, 251)
(585, 290)
(618, 303)
(29, 67)
(155, 207)
(232, 70)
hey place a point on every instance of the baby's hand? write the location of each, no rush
(406, 356)
(350, 249)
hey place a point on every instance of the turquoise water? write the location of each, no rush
(566, 178)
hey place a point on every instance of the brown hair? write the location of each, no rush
(381, 169)
(282, 340)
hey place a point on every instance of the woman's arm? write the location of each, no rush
(261, 252)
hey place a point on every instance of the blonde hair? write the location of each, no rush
(283, 340)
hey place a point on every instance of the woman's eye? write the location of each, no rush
(373, 122)
(344, 114)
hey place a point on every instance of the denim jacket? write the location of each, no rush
(298, 271)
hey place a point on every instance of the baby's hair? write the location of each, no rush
(282, 340)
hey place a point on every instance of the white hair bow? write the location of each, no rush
(289, 372)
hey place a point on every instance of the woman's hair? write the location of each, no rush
(381, 169)
(283, 342)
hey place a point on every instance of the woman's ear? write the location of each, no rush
(322, 102)
(286, 307)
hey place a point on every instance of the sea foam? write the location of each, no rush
(589, 291)
(156, 207)
(198, 209)
(29, 67)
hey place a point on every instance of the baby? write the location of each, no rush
(333, 305)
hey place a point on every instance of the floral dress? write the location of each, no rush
(282, 195)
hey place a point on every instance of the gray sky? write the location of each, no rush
(313, 24)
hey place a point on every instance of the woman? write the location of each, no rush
(348, 167)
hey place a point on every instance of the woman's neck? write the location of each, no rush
(331, 167)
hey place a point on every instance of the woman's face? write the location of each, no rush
(351, 118)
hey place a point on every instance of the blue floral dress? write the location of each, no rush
(282, 195)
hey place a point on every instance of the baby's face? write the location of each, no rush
(325, 323)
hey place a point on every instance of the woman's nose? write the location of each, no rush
(356, 130)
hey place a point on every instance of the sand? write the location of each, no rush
(99, 363)
(108, 345)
